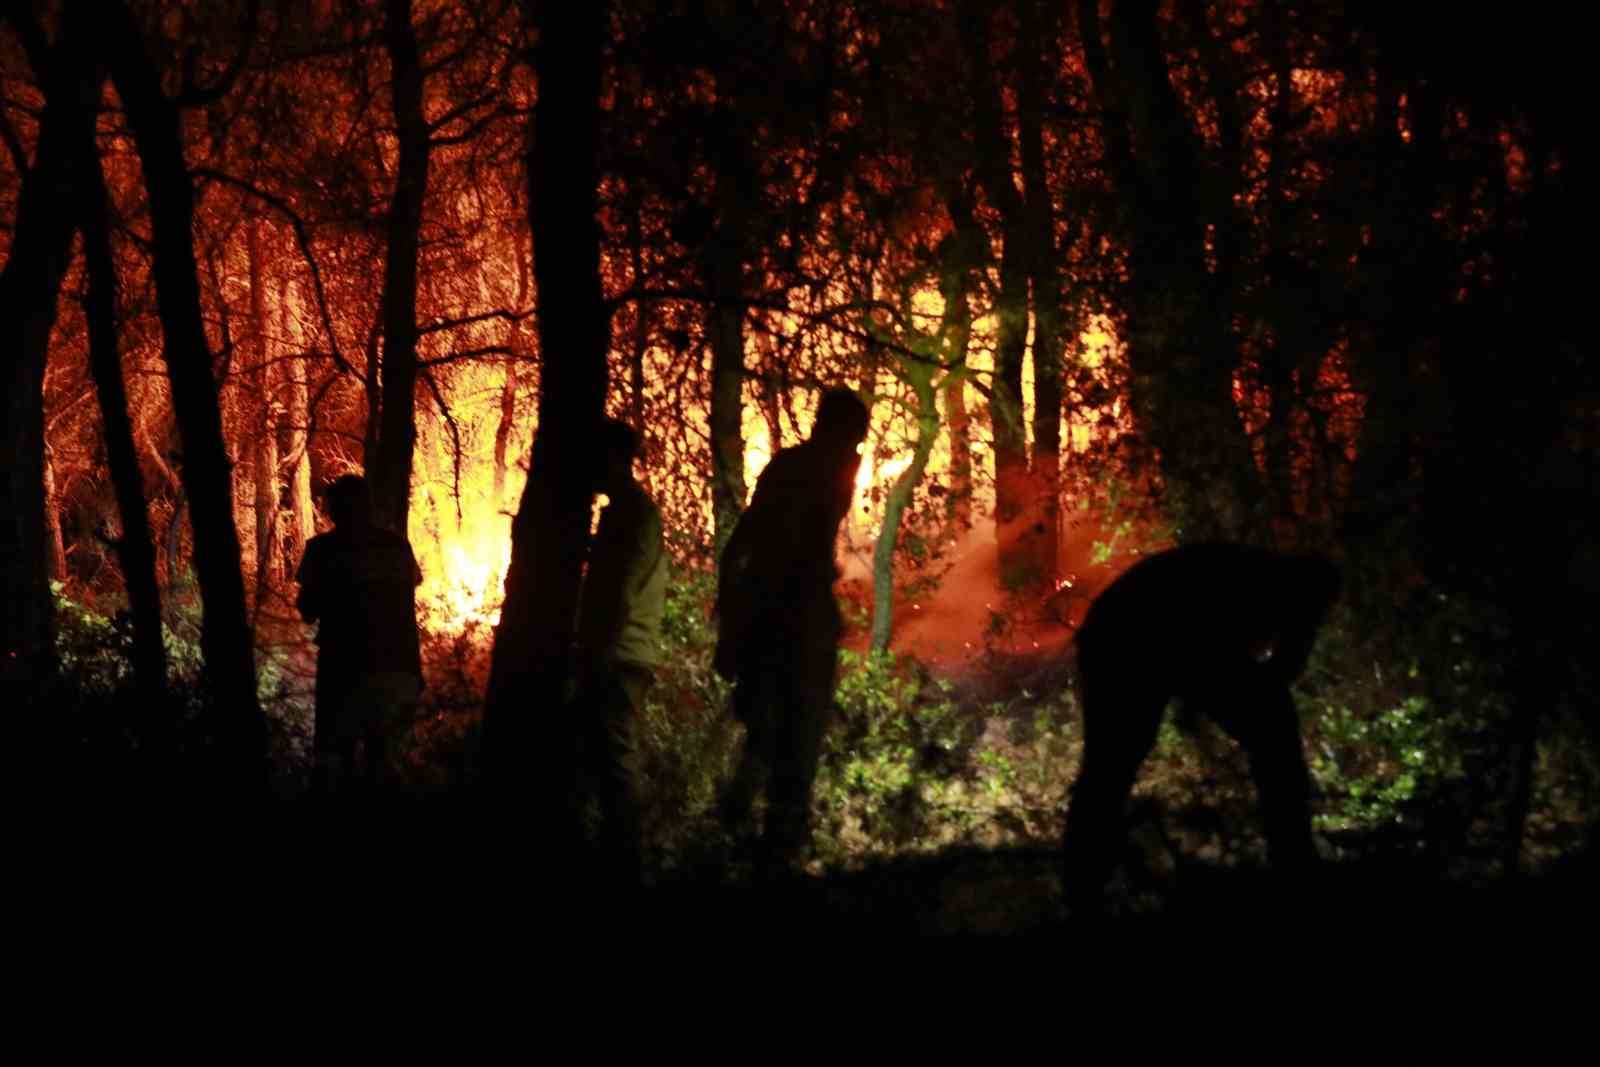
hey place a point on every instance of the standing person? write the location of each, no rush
(779, 624)
(357, 582)
(618, 644)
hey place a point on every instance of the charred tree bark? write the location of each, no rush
(135, 547)
(550, 533)
(229, 669)
(391, 475)
(30, 283)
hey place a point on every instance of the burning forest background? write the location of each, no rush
(1113, 275)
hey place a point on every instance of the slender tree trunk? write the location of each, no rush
(135, 547)
(55, 546)
(303, 518)
(225, 631)
(29, 287)
(725, 329)
(529, 663)
(391, 476)
(995, 176)
(1050, 328)
(508, 389)
(962, 256)
(641, 319)
(265, 461)
(920, 377)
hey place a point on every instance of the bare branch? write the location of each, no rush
(283, 208)
(455, 437)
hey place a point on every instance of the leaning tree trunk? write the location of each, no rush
(229, 669)
(550, 534)
(397, 438)
(135, 547)
(30, 283)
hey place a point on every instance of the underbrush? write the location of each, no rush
(1403, 727)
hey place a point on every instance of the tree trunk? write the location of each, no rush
(30, 284)
(1180, 350)
(136, 551)
(1050, 332)
(995, 176)
(960, 258)
(265, 460)
(55, 553)
(303, 517)
(229, 669)
(508, 389)
(920, 377)
(529, 664)
(391, 475)
(726, 332)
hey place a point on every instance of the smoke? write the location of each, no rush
(954, 612)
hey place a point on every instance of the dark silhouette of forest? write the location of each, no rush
(1110, 276)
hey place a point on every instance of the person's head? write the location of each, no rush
(349, 500)
(616, 448)
(842, 421)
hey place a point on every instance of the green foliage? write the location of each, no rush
(686, 739)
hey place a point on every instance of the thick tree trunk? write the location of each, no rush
(229, 669)
(391, 475)
(550, 533)
(135, 548)
(30, 283)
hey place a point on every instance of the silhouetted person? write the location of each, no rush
(357, 582)
(618, 643)
(1225, 629)
(779, 623)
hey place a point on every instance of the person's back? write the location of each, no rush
(357, 583)
(363, 580)
(779, 624)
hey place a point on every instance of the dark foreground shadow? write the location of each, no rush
(441, 870)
